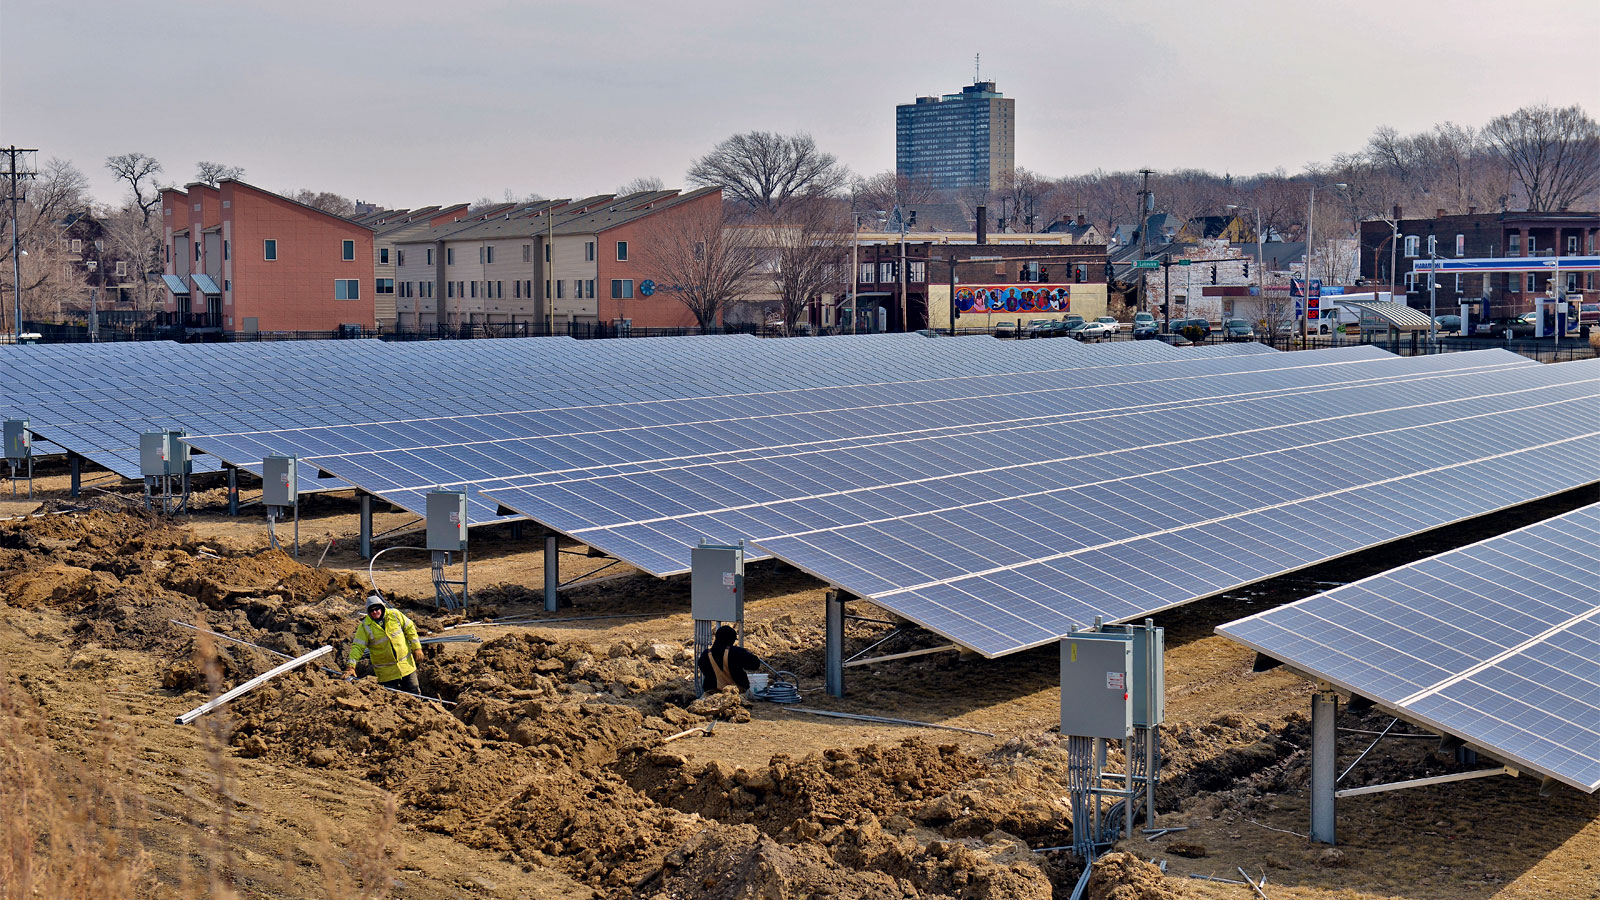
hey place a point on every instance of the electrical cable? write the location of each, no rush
(784, 688)
(374, 561)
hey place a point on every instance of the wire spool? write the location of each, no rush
(784, 687)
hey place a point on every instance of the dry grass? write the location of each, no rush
(71, 821)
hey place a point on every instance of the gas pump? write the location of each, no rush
(1473, 314)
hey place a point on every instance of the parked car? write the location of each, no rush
(1447, 324)
(1110, 322)
(1522, 326)
(1005, 329)
(1175, 339)
(1203, 326)
(1095, 330)
(1145, 326)
(1237, 330)
(1037, 327)
(1073, 329)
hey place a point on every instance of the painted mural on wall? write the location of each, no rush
(1013, 298)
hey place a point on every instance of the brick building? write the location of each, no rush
(238, 259)
(1062, 277)
(1387, 255)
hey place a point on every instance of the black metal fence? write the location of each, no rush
(1542, 349)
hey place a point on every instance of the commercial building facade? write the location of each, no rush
(239, 259)
(1388, 254)
(957, 141)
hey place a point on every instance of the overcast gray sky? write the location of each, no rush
(406, 103)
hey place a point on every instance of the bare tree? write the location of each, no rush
(763, 171)
(807, 257)
(701, 260)
(886, 190)
(1553, 153)
(133, 240)
(49, 273)
(328, 202)
(640, 185)
(140, 172)
(214, 172)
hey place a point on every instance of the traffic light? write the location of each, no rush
(1247, 268)
(1213, 274)
(1110, 272)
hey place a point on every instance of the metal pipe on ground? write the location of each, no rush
(251, 685)
(883, 720)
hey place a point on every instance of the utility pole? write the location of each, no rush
(1433, 285)
(855, 268)
(1166, 291)
(14, 172)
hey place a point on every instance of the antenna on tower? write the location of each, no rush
(977, 70)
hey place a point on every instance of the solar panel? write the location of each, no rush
(1000, 568)
(1497, 643)
(650, 515)
(627, 439)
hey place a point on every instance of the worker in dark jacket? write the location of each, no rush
(725, 663)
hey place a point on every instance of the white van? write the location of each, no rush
(1335, 314)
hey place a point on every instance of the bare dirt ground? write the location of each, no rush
(550, 776)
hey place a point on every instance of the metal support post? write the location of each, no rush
(552, 574)
(73, 460)
(834, 640)
(233, 490)
(1324, 770)
(148, 486)
(366, 526)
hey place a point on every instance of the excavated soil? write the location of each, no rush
(546, 770)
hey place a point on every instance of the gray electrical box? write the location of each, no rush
(716, 583)
(1096, 695)
(280, 481)
(19, 442)
(1139, 682)
(447, 520)
(162, 453)
(177, 453)
(153, 454)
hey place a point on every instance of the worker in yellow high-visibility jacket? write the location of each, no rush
(390, 638)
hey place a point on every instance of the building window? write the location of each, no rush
(1458, 284)
(516, 287)
(559, 293)
(399, 257)
(450, 289)
(269, 249)
(622, 288)
(226, 253)
(384, 286)
(346, 289)
(1533, 249)
(349, 249)
(527, 289)
(547, 254)
(1411, 282)
(1412, 241)
(1514, 244)
(499, 290)
(122, 268)
(1461, 245)
(197, 251)
(1572, 245)
(449, 256)
(887, 272)
(1531, 286)
(590, 284)
(430, 256)
(918, 271)
(527, 253)
(383, 256)
(588, 251)
(622, 251)
(474, 290)
(227, 286)
(867, 270)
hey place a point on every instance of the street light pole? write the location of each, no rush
(855, 268)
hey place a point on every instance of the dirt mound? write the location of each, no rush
(105, 531)
(323, 721)
(811, 793)
(1123, 876)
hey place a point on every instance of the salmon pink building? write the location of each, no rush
(241, 260)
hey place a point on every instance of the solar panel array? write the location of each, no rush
(95, 399)
(1497, 643)
(686, 382)
(1133, 500)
